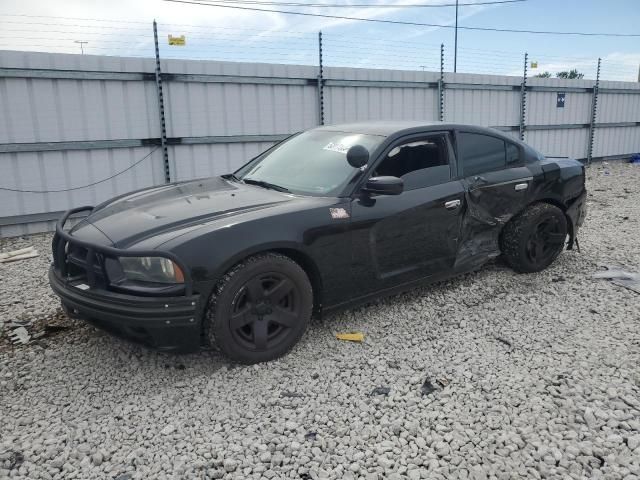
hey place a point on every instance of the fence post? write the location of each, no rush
(441, 86)
(320, 81)
(523, 97)
(594, 112)
(163, 127)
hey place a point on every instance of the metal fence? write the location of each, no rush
(78, 129)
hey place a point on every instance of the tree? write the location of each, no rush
(571, 74)
(543, 75)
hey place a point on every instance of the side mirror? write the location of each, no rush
(357, 156)
(384, 185)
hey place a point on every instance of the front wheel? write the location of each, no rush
(533, 240)
(260, 309)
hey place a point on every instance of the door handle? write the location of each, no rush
(451, 204)
(521, 186)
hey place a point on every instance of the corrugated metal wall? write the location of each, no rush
(221, 114)
(618, 107)
(360, 101)
(489, 108)
(58, 110)
(542, 110)
(198, 109)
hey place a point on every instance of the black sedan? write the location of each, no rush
(331, 217)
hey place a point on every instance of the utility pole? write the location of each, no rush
(455, 46)
(82, 43)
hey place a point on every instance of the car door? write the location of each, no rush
(497, 180)
(400, 238)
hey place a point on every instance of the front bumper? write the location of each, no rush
(164, 323)
(79, 277)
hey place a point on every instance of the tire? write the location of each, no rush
(260, 309)
(532, 240)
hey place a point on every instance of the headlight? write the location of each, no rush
(151, 269)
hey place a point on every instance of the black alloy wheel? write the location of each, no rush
(264, 310)
(543, 243)
(260, 309)
(532, 240)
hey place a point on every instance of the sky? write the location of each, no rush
(124, 28)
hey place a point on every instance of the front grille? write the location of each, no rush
(77, 260)
(78, 263)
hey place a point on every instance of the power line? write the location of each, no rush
(83, 186)
(367, 5)
(400, 22)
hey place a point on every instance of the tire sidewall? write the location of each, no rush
(521, 230)
(220, 307)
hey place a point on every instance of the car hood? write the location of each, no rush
(132, 218)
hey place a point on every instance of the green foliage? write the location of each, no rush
(571, 74)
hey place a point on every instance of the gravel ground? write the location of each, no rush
(491, 375)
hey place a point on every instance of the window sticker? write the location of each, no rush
(336, 147)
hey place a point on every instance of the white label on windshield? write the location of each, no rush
(336, 147)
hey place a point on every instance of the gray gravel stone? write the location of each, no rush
(230, 465)
(560, 402)
(633, 442)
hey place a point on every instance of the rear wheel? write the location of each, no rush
(534, 239)
(260, 309)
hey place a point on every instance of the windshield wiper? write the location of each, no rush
(232, 176)
(263, 184)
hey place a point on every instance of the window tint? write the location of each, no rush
(513, 154)
(419, 163)
(480, 153)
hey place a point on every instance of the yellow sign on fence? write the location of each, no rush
(181, 41)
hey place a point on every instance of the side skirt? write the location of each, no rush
(403, 287)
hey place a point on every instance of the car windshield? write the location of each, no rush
(312, 163)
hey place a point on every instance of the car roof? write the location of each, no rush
(399, 128)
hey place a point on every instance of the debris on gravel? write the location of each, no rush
(427, 388)
(380, 391)
(17, 255)
(621, 277)
(560, 401)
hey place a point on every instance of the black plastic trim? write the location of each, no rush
(149, 312)
(59, 251)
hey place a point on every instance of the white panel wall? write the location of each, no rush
(199, 109)
(195, 161)
(616, 141)
(351, 104)
(489, 108)
(56, 110)
(560, 142)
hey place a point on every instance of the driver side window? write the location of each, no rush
(420, 162)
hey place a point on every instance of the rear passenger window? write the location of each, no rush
(480, 153)
(513, 154)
